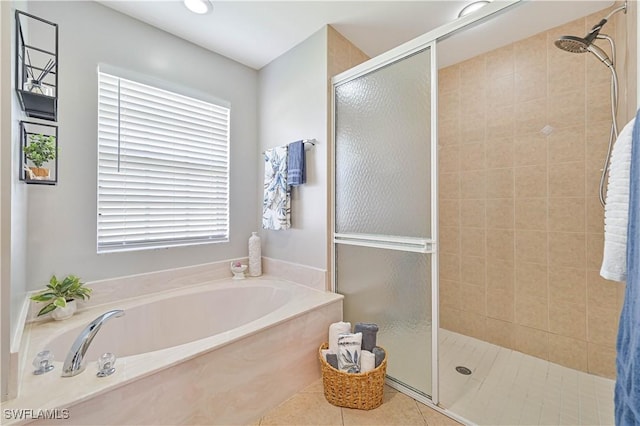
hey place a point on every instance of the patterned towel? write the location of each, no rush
(276, 207)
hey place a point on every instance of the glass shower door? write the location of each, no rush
(383, 213)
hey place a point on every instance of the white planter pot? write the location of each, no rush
(60, 314)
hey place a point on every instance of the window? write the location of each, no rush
(163, 167)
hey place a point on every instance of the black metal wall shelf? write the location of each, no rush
(37, 66)
(38, 163)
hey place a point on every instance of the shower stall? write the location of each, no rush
(467, 218)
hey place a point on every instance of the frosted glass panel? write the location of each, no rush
(392, 289)
(383, 134)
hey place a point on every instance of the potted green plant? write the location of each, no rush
(61, 296)
(39, 150)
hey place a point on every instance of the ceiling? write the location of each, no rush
(256, 32)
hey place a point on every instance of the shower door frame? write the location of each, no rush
(429, 246)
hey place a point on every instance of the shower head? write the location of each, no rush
(581, 45)
(572, 44)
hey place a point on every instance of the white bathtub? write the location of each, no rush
(223, 352)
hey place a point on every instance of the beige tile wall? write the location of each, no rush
(521, 227)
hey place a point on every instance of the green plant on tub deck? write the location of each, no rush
(58, 293)
(41, 149)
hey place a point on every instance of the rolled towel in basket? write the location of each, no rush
(369, 332)
(332, 360)
(336, 329)
(379, 354)
(349, 350)
(367, 361)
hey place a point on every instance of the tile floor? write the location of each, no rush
(309, 407)
(510, 388)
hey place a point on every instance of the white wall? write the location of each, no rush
(293, 106)
(62, 218)
(13, 195)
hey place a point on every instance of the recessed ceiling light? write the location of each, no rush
(198, 6)
(472, 7)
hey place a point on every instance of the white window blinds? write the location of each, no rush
(163, 167)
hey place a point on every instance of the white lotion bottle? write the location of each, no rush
(255, 255)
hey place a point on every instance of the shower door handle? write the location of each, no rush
(390, 242)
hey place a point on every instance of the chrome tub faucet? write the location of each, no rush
(74, 363)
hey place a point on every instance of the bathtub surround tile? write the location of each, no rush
(115, 289)
(566, 109)
(302, 274)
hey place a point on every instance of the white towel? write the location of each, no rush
(367, 361)
(616, 210)
(336, 329)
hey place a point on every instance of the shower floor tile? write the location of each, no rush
(510, 388)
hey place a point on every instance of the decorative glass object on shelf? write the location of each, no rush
(37, 66)
(38, 153)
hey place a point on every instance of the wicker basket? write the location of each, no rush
(363, 391)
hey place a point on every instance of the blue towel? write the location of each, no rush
(296, 167)
(627, 391)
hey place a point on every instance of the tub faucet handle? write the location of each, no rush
(105, 364)
(43, 362)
